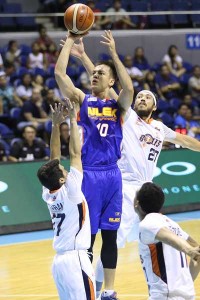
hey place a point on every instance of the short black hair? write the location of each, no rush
(111, 65)
(151, 197)
(49, 175)
(31, 126)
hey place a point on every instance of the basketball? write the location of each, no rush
(78, 18)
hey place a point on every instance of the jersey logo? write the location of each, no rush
(92, 99)
(56, 207)
(148, 139)
(117, 213)
(106, 112)
(114, 220)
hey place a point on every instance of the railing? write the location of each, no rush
(139, 13)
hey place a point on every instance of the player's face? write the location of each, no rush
(144, 104)
(101, 78)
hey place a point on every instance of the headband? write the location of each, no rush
(152, 94)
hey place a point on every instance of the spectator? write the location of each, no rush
(38, 83)
(140, 61)
(32, 112)
(8, 97)
(180, 119)
(24, 90)
(9, 69)
(44, 41)
(168, 83)
(151, 84)
(193, 127)
(135, 74)
(187, 99)
(13, 53)
(49, 99)
(52, 55)
(64, 139)
(194, 83)
(115, 21)
(98, 19)
(174, 61)
(3, 156)
(29, 147)
(36, 59)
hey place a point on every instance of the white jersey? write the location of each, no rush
(69, 213)
(166, 269)
(141, 146)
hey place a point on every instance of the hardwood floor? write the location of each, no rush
(25, 270)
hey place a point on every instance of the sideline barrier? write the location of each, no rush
(22, 208)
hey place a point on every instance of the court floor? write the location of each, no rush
(25, 264)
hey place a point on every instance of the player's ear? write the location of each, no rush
(112, 82)
(155, 108)
(62, 180)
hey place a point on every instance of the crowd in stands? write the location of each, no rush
(28, 87)
(109, 21)
(132, 21)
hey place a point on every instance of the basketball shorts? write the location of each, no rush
(159, 297)
(102, 188)
(129, 218)
(74, 276)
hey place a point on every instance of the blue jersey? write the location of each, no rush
(102, 131)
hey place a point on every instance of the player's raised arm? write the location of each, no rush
(57, 119)
(185, 141)
(74, 142)
(64, 82)
(126, 94)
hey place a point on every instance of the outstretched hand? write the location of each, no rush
(195, 254)
(70, 106)
(78, 49)
(74, 37)
(109, 41)
(57, 114)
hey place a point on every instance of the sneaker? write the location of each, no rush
(111, 297)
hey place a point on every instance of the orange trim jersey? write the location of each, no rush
(141, 147)
(69, 212)
(165, 268)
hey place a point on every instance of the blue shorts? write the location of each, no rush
(102, 188)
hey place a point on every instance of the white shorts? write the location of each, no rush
(159, 297)
(129, 218)
(74, 276)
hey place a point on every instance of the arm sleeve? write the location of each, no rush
(166, 58)
(73, 185)
(148, 230)
(169, 133)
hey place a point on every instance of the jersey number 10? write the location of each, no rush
(103, 129)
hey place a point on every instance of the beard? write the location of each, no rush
(143, 113)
